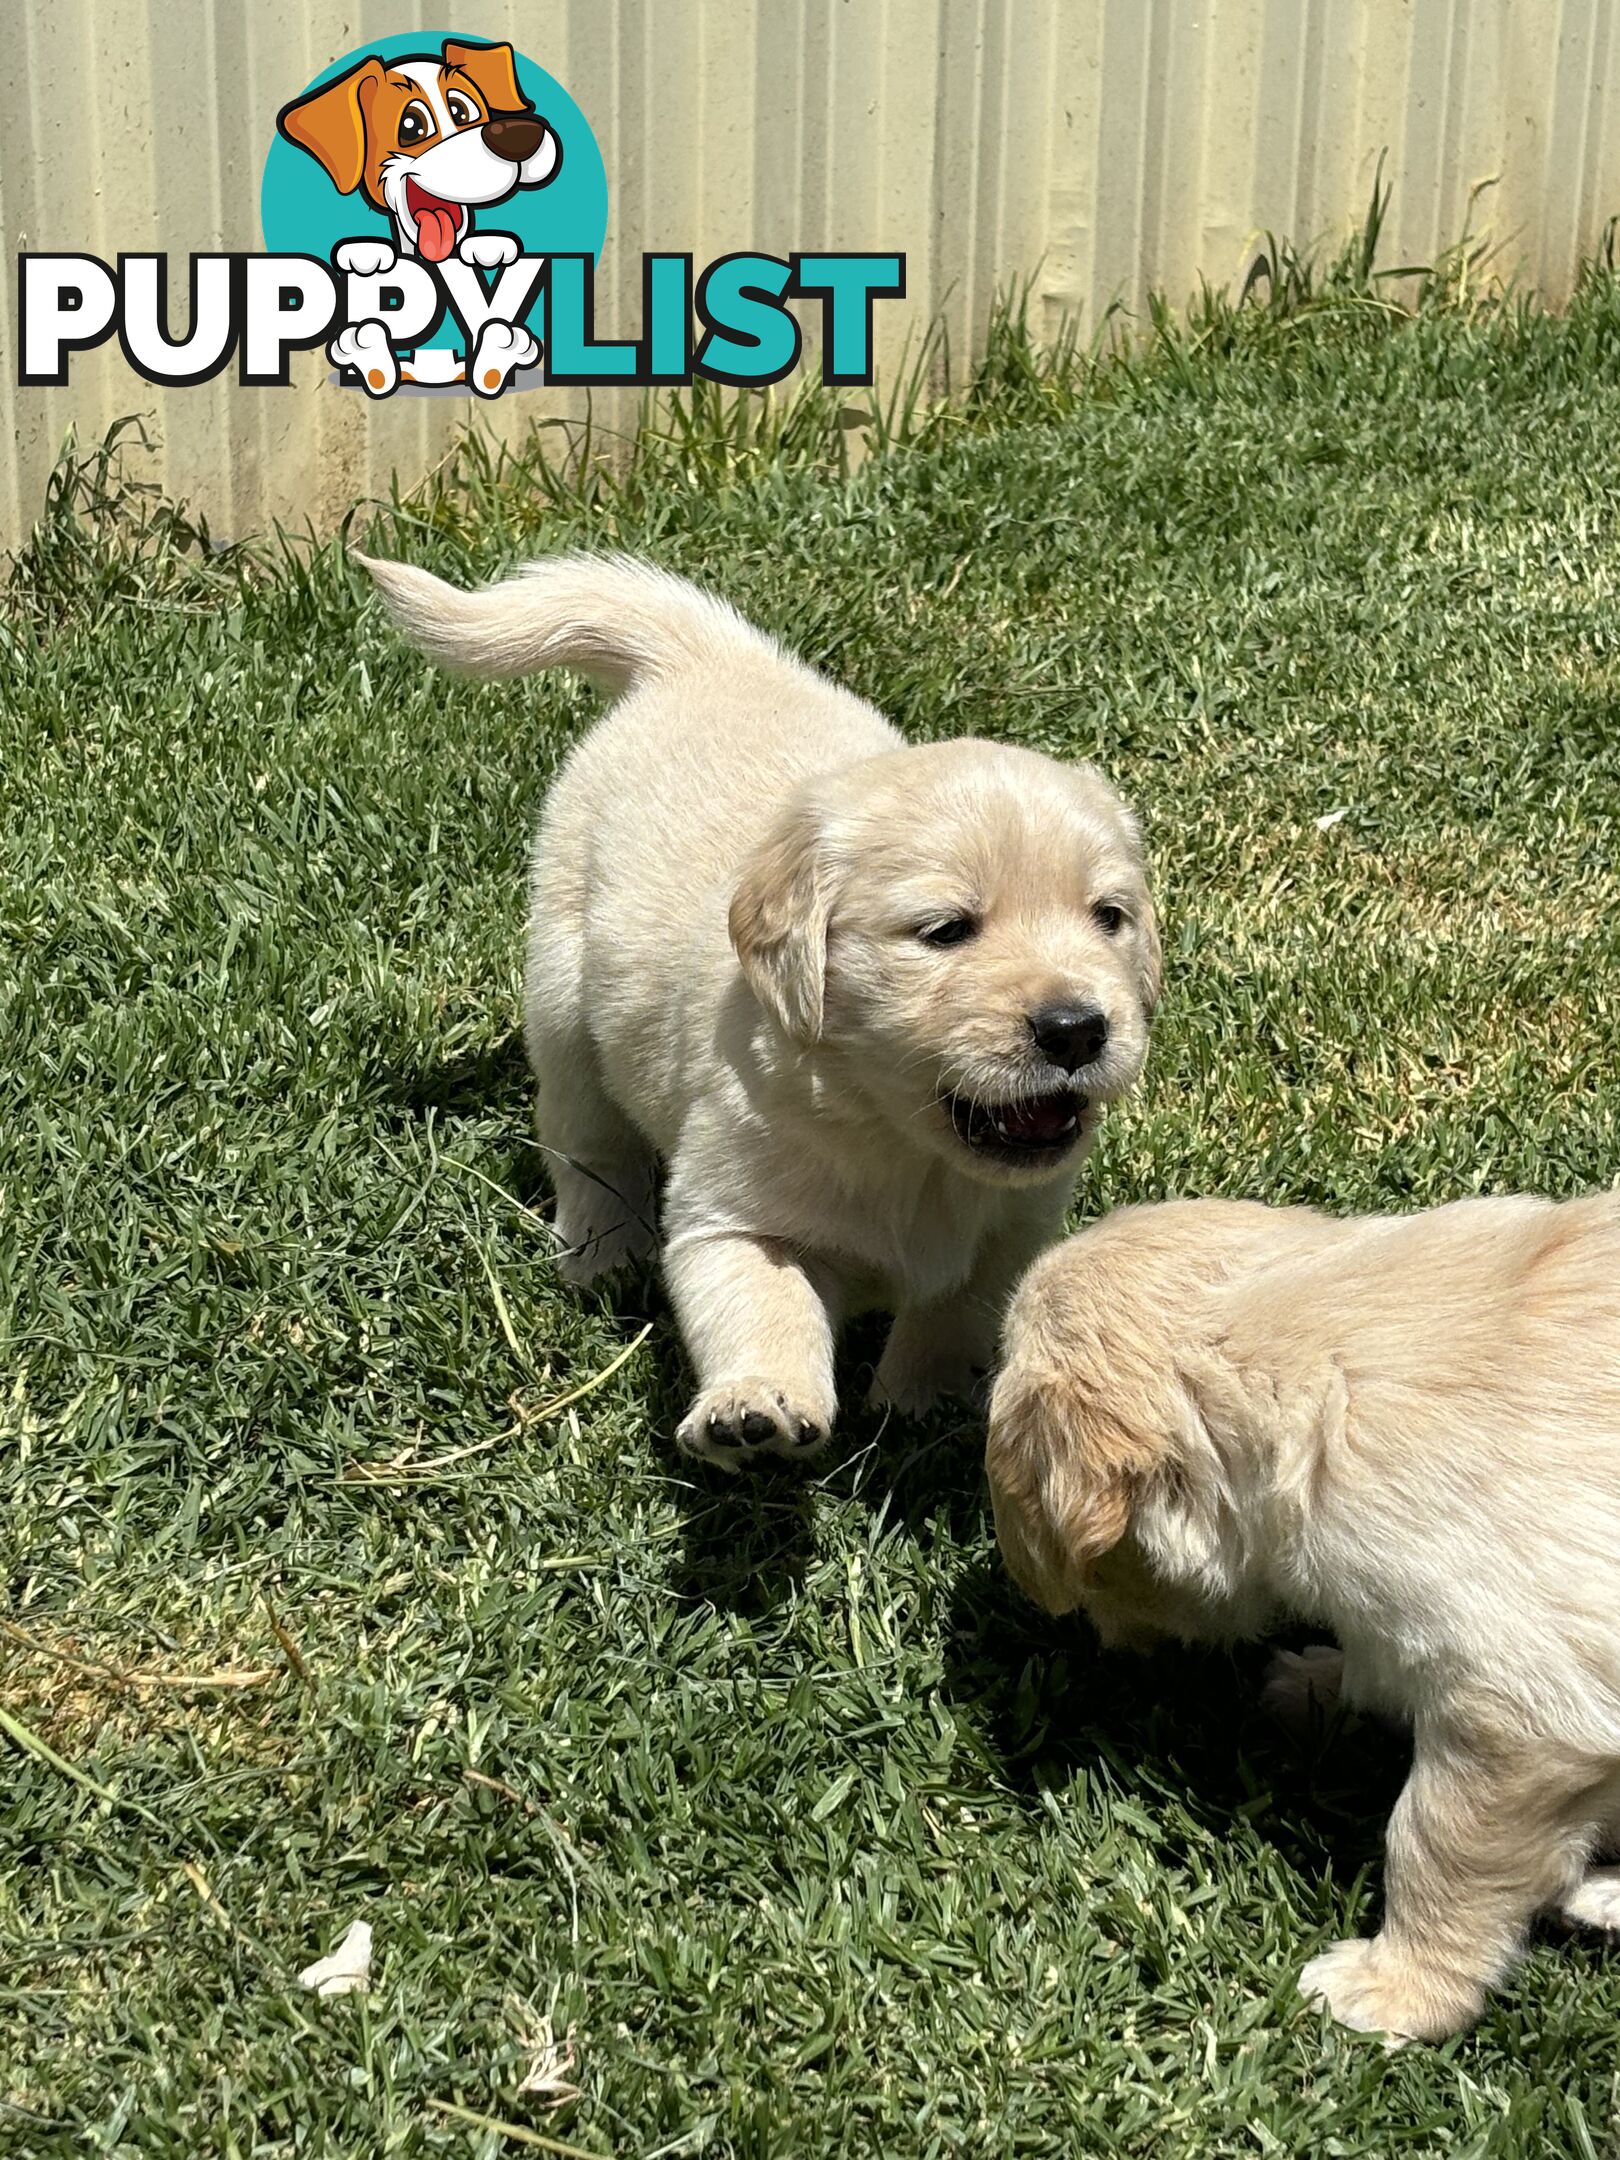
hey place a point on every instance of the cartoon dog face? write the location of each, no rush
(427, 139)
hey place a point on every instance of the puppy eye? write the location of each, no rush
(415, 124)
(954, 930)
(461, 110)
(1110, 920)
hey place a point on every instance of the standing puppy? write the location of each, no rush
(1407, 1428)
(865, 1001)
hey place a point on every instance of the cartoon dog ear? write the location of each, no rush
(330, 123)
(492, 70)
(1064, 1480)
(778, 922)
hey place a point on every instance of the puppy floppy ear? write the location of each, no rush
(330, 123)
(1065, 1474)
(778, 922)
(1150, 976)
(492, 71)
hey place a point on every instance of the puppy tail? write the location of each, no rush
(615, 620)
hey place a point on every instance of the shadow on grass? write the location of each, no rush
(1181, 1730)
(1179, 1726)
(478, 1083)
(748, 1540)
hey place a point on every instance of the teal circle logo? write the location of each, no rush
(436, 150)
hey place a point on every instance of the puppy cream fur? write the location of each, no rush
(1408, 1429)
(800, 963)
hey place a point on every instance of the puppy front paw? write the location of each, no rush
(592, 1246)
(1374, 1989)
(741, 1420)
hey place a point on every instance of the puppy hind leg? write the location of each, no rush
(601, 1170)
(1594, 1902)
(604, 1177)
(1479, 1842)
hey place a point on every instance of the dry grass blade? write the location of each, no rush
(516, 2131)
(290, 1649)
(550, 2059)
(405, 1470)
(226, 1678)
(587, 1387)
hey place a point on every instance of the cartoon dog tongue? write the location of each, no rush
(436, 223)
(435, 232)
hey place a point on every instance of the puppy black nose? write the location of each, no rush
(1070, 1035)
(514, 136)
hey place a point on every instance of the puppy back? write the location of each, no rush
(614, 619)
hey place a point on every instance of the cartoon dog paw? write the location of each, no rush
(365, 348)
(365, 258)
(501, 350)
(488, 250)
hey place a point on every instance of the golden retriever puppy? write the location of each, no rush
(1407, 1428)
(864, 1001)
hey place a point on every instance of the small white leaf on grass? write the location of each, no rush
(551, 2059)
(1333, 817)
(348, 1970)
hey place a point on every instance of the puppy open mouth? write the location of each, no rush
(437, 222)
(1034, 1126)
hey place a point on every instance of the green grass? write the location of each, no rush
(774, 1794)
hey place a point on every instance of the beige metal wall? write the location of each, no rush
(1109, 146)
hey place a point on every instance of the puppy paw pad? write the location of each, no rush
(746, 1420)
(502, 349)
(364, 347)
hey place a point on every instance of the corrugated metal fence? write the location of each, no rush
(1107, 147)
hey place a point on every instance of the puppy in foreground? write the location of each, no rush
(1212, 1414)
(864, 1001)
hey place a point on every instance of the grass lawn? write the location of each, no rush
(773, 1794)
